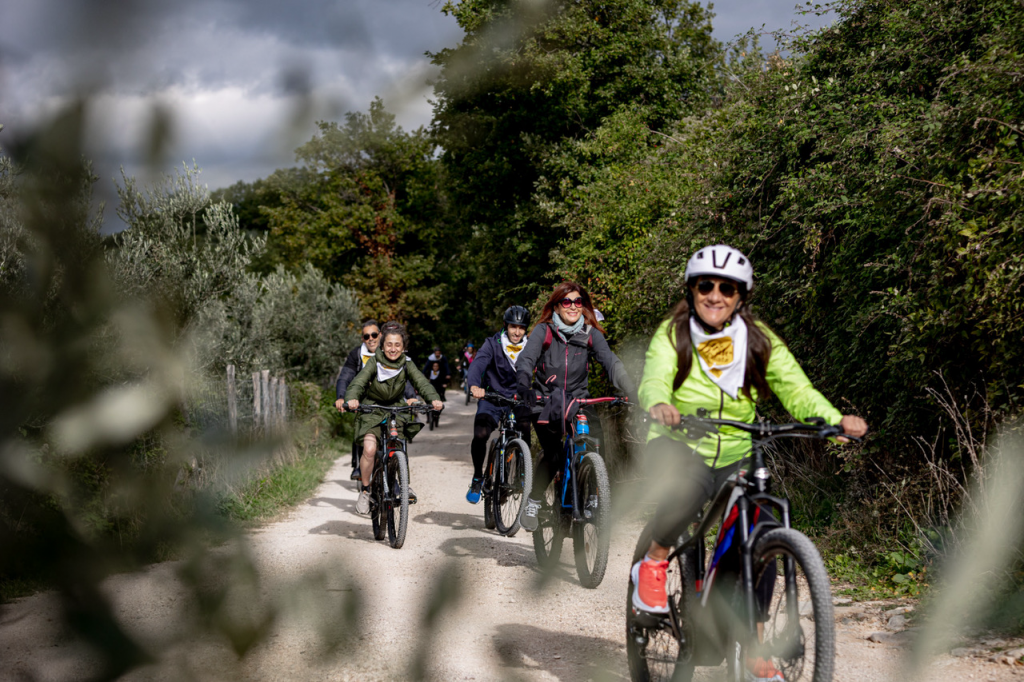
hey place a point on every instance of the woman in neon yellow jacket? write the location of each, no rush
(712, 353)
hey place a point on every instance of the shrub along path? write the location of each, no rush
(320, 560)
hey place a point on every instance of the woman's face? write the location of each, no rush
(571, 312)
(714, 307)
(393, 346)
(371, 337)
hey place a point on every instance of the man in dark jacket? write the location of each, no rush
(494, 369)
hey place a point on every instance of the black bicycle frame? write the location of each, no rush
(752, 492)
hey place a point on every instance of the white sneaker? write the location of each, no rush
(529, 520)
(363, 503)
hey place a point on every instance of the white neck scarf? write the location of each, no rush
(365, 354)
(722, 355)
(510, 349)
(385, 373)
(434, 373)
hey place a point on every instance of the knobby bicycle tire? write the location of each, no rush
(492, 444)
(591, 536)
(509, 497)
(548, 538)
(801, 646)
(398, 481)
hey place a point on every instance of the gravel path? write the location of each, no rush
(504, 624)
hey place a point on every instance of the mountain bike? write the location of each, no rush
(578, 502)
(389, 482)
(714, 612)
(508, 471)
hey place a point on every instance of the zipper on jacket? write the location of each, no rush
(721, 407)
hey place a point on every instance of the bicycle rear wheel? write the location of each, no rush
(547, 539)
(591, 535)
(397, 469)
(513, 479)
(800, 645)
(653, 651)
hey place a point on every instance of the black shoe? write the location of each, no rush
(356, 474)
(412, 496)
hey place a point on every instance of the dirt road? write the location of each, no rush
(503, 625)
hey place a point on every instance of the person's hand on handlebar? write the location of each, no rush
(340, 404)
(437, 405)
(411, 401)
(353, 405)
(665, 414)
(853, 425)
(477, 392)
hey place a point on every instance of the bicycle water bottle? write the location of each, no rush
(582, 429)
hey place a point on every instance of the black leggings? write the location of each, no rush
(691, 485)
(552, 455)
(483, 426)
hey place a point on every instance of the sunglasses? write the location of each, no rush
(727, 289)
(371, 335)
(570, 302)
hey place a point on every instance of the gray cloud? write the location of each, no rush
(230, 70)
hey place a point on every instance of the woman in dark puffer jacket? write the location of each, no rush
(560, 348)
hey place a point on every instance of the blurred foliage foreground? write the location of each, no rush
(113, 449)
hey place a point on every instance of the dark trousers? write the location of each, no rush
(552, 455)
(483, 426)
(690, 484)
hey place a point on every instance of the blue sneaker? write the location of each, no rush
(473, 496)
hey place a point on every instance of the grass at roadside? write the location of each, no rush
(285, 485)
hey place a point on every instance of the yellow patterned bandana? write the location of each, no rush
(722, 355)
(716, 352)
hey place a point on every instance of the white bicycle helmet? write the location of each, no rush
(721, 260)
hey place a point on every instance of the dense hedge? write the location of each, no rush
(875, 180)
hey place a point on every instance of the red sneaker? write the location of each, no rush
(649, 586)
(763, 671)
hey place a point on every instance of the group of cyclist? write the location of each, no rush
(710, 353)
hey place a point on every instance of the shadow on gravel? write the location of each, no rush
(355, 530)
(492, 547)
(579, 658)
(452, 520)
(344, 505)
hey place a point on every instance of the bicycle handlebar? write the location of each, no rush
(499, 398)
(813, 428)
(396, 409)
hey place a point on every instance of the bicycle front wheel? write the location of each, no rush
(490, 483)
(513, 480)
(591, 535)
(799, 622)
(397, 469)
(377, 505)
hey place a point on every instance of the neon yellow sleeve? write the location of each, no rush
(789, 382)
(659, 369)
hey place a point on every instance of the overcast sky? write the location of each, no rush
(228, 70)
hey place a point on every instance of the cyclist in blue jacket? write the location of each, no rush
(494, 369)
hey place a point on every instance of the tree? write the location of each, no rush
(529, 78)
(368, 213)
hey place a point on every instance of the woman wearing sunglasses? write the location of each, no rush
(561, 346)
(712, 353)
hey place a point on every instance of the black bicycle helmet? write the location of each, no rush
(518, 315)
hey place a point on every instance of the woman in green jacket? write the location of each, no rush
(712, 353)
(381, 381)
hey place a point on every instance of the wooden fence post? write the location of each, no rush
(232, 401)
(282, 402)
(264, 378)
(257, 403)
